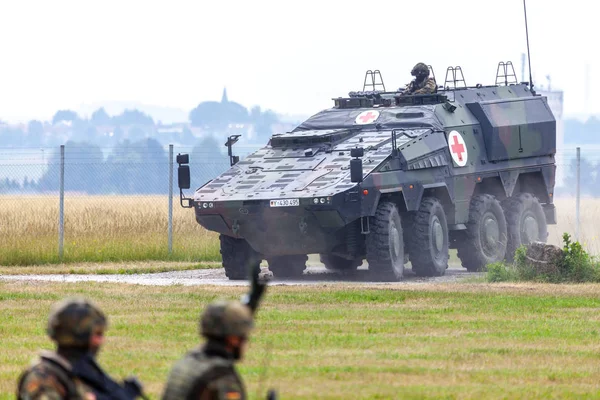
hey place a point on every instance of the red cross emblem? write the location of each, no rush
(458, 148)
(366, 117)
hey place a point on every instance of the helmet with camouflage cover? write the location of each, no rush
(223, 318)
(420, 69)
(72, 322)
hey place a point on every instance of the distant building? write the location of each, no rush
(178, 128)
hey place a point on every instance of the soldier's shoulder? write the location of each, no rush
(203, 377)
(48, 378)
(40, 381)
(227, 386)
(195, 365)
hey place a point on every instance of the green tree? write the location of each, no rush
(133, 117)
(64, 115)
(140, 167)
(217, 116)
(83, 169)
(100, 117)
(207, 161)
(588, 175)
(35, 133)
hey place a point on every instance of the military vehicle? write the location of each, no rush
(391, 178)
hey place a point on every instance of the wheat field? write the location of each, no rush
(100, 229)
(128, 228)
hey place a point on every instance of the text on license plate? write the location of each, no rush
(285, 203)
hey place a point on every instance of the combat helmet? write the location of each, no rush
(72, 322)
(420, 69)
(223, 318)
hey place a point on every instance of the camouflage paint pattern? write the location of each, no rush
(426, 86)
(44, 380)
(215, 373)
(223, 318)
(509, 138)
(73, 320)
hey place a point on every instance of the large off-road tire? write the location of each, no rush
(238, 257)
(385, 243)
(287, 266)
(428, 240)
(336, 263)
(484, 241)
(526, 222)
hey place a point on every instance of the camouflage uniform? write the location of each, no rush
(422, 84)
(208, 372)
(51, 378)
(71, 372)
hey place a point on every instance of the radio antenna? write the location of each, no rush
(528, 54)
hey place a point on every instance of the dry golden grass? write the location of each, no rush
(589, 233)
(127, 228)
(100, 228)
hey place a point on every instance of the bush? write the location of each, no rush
(500, 272)
(575, 266)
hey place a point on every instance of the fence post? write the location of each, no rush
(170, 199)
(61, 206)
(578, 195)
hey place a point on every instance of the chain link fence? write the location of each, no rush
(87, 203)
(94, 204)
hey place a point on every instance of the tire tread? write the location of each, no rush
(422, 261)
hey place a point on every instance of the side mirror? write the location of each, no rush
(183, 176)
(183, 159)
(356, 170)
(183, 179)
(357, 152)
(231, 140)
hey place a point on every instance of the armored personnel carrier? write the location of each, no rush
(391, 178)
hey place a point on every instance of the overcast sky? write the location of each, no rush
(290, 56)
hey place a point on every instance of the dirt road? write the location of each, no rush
(313, 275)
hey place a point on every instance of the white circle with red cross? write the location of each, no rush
(366, 117)
(458, 148)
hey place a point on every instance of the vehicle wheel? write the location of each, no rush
(486, 235)
(238, 257)
(428, 241)
(526, 222)
(385, 243)
(287, 266)
(336, 263)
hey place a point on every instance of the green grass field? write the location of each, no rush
(128, 268)
(467, 341)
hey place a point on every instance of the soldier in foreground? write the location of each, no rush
(77, 327)
(422, 84)
(208, 372)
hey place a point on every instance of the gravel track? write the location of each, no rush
(313, 275)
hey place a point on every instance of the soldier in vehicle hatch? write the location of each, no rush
(71, 372)
(422, 84)
(208, 372)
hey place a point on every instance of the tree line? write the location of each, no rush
(140, 167)
(211, 117)
(589, 178)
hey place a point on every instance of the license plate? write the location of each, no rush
(285, 203)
